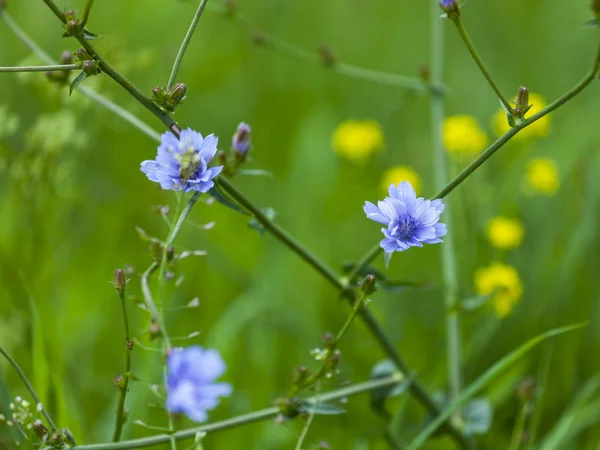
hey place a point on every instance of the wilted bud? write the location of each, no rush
(177, 94)
(522, 102)
(40, 430)
(300, 375)
(327, 55)
(368, 286)
(526, 389)
(120, 281)
(241, 138)
(451, 8)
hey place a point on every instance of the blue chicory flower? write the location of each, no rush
(241, 139)
(182, 164)
(410, 221)
(191, 387)
(446, 4)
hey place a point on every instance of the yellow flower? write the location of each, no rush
(505, 233)
(463, 137)
(539, 128)
(542, 176)
(503, 282)
(401, 173)
(357, 140)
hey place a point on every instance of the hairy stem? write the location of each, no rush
(184, 44)
(29, 387)
(257, 416)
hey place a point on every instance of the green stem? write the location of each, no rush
(453, 350)
(358, 304)
(308, 421)
(86, 12)
(120, 419)
(486, 73)
(283, 235)
(113, 107)
(257, 416)
(517, 435)
(29, 387)
(53, 68)
(147, 293)
(56, 10)
(184, 44)
(302, 56)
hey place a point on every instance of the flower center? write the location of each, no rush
(405, 226)
(188, 163)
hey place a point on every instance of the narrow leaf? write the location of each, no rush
(486, 379)
(219, 196)
(82, 76)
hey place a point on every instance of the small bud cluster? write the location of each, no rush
(88, 64)
(240, 146)
(72, 25)
(169, 99)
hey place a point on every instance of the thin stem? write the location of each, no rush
(184, 44)
(517, 434)
(29, 387)
(309, 421)
(56, 10)
(302, 56)
(453, 350)
(283, 235)
(257, 416)
(147, 293)
(86, 12)
(486, 73)
(108, 104)
(53, 68)
(120, 419)
(358, 304)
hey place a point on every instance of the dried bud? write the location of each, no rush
(120, 281)
(526, 389)
(451, 8)
(368, 286)
(177, 94)
(522, 102)
(259, 38)
(327, 55)
(241, 139)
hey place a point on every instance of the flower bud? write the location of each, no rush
(241, 139)
(66, 57)
(129, 345)
(154, 331)
(259, 38)
(329, 340)
(40, 430)
(300, 375)
(90, 67)
(82, 55)
(177, 94)
(70, 15)
(451, 8)
(120, 281)
(522, 102)
(287, 407)
(71, 28)
(327, 55)
(368, 286)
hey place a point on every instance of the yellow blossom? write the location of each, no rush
(463, 137)
(401, 173)
(357, 140)
(539, 128)
(503, 282)
(505, 233)
(542, 176)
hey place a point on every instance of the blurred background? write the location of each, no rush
(525, 225)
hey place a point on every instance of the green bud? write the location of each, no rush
(368, 286)
(66, 57)
(328, 340)
(71, 28)
(522, 102)
(176, 95)
(120, 280)
(300, 375)
(40, 430)
(70, 15)
(288, 407)
(90, 67)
